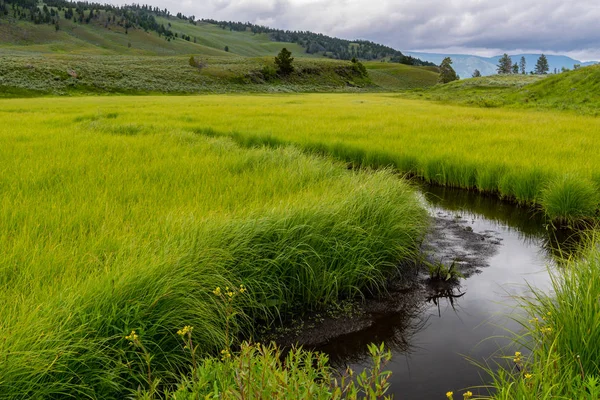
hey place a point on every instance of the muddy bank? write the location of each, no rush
(451, 240)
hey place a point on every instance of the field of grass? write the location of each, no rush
(116, 216)
(543, 158)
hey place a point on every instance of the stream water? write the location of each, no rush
(501, 249)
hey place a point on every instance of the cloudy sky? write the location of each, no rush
(482, 27)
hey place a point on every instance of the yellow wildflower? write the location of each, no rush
(217, 291)
(225, 354)
(186, 329)
(449, 395)
(467, 395)
(528, 376)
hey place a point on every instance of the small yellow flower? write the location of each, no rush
(186, 329)
(230, 294)
(547, 329)
(242, 288)
(225, 354)
(467, 395)
(528, 376)
(217, 291)
(132, 336)
(449, 395)
(517, 358)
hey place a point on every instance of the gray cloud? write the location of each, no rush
(552, 26)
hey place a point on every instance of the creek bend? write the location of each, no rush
(500, 249)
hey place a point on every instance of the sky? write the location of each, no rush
(478, 27)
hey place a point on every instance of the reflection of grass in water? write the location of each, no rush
(561, 333)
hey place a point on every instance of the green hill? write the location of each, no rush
(577, 90)
(62, 48)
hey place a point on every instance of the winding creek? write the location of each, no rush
(499, 248)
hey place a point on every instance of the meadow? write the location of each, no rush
(124, 214)
(116, 218)
(538, 158)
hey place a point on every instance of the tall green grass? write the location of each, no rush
(540, 159)
(110, 225)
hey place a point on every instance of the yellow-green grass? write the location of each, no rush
(116, 216)
(394, 76)
(548, 158)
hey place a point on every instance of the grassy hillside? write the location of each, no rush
(486, 91)
(106, 57)
(95, 38)
(394, 76)
(577, 90)
(117, 217)
(35, 75)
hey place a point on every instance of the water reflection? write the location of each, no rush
(528, 223)
(433, 333)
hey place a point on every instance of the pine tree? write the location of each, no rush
(504, 65)
(542, 67)
(523, 65)
(515, 68)
(284, 62)
(447, 73)
(476, 74)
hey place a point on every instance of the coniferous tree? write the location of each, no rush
(476, 74)
(504, 65)
(523, 65)
(515, 68)
(542, 67)
(447, 73)
(284, 62)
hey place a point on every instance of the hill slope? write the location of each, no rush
(98, 51)
(577, 90)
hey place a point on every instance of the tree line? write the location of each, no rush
(328, 46)
(506, 66)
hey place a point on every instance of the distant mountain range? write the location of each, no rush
(465, 64)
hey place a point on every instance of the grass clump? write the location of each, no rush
(259, 371)
(570, 198)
